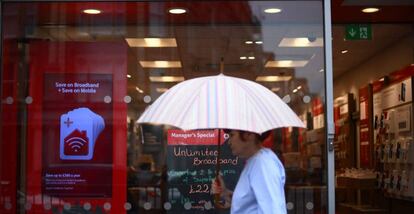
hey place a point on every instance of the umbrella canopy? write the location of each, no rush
(221, 102)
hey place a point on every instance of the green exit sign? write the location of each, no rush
(358, 32)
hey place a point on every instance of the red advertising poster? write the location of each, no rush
(198, 137)
(364, 127)
(337, 116)
(317, 113)
(317, 106)
(9, 128)
(77, 130)
(75, 117)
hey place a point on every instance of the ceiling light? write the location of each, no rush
(166, 79)
(286, 63)
(92, 11)
(370, 10)
(160, 64)
(299, 87)
(273, 78)
(251, 57)
(259, 42)
(139, 90)
(243, 57)
(295, 90)
(248, 42)
(161, 90)
(275, 89)
(301, 42)
(80, 33)
(177, 10)
(151, 42)
(272, 10)
(321, 70)
(344, 51)
(128, 75)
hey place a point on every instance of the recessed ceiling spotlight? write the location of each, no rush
(160, 64)
(177, 11)
(92, 11)
(370, 10)
(344, 51)
(151, 42)
(161, 90)
(259, 42)
(248, 42)
(166, 78)
(301, 42)
(139, 90)
(273, 78)
(251, 57)
(273, 10)
(321, 70)
(275, 89)
(286, 63)
(128, 75)
(243, 57)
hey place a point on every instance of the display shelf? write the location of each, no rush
(399, 197)
(344, 141)
(356, 183)
(350, 191)
(394, 148)
(345, 208)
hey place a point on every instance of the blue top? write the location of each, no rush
(260, 188)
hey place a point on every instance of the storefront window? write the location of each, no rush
(76, 76)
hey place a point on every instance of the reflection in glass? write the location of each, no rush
(278, 44)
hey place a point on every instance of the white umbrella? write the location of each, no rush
(221, 102)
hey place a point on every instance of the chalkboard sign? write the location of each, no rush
(191, 166)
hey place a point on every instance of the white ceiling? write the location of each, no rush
(377, 2)
(383, 35)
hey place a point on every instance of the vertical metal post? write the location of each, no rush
(330, 128)
(1, 47)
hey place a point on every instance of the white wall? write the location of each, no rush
(393, 58)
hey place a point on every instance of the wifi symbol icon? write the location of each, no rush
(76, 143)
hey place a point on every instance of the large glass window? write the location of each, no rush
(76, 76)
